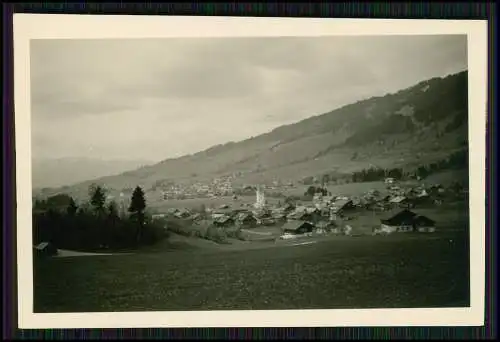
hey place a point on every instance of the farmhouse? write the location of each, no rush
(297, 227)
(323, 209)
(326, 226)
(402, 202)
(182, 213)
(158, 216)
(223, 221)
(424, 224)
(45, 249)
(246, 220)
(279, 215)
(401, 222)
(196, 217)
(306, 215)
(328, 199)
(317, 197)
(224, 211)
(288, 207)
(172, 211)
(341, 205)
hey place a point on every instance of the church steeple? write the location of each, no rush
(260, 200)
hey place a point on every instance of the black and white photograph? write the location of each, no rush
(317, 175)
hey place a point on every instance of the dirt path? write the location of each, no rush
(257, 232)
(64, 253)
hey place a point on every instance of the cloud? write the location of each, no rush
(157, 98)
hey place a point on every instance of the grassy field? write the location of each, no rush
(403, 270)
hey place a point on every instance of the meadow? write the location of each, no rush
(403, 270)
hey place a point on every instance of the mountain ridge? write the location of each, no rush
(421, 123)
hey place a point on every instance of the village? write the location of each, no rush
(219, 186)
(395, 210)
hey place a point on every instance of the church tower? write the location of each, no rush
(260, 200)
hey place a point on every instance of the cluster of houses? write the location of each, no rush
(217, 187)
(396, 196)
(327, 213)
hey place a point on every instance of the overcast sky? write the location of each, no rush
(161, 98)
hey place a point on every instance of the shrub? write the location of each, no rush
(215, 234)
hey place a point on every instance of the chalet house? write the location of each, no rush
(288, 207)
(402, 202)
(317, 197)
(196, 217)
(158, 216)
(266, 221)
(246, 220)
(297, 215)
(424, 224)
(182, 213)
(326, 226)
(374, 193)
(297, 227)
(310, 216)
(223, 221)
(341, 205)
(222, 212)
(322, 209)
(172, 211)
(401, 222)
(358, 202)
(279, 215)
(329, 199)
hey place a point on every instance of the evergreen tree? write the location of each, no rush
(97, 198)
(72, 207)
(137, 208)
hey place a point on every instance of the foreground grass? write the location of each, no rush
(403, 270)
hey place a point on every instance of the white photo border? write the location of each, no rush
(56, 26)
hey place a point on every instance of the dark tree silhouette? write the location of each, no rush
(137, 208)
(97, 198)
(310, 191)
(72, 207)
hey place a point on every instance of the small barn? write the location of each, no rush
(297, 227)
(424, 224)
(45, 249)
(401, 222)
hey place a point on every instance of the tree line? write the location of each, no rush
(96, 223)
(457, 160)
